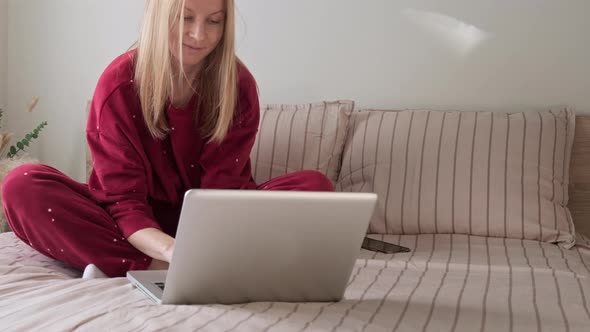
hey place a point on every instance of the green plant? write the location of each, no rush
(21, 145)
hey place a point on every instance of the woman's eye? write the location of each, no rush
(188, 19)
(215, 22)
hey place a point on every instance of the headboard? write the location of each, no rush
(579, 188)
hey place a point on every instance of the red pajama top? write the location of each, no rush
(141, 181)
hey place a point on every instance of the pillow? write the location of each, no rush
(300, 137)
(476, 173)
(295, 137)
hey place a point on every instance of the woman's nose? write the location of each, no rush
(198, 32)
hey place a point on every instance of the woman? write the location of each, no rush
(180, 111)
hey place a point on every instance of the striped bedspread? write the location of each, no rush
(447, 283)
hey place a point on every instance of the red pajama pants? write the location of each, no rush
(58, 217)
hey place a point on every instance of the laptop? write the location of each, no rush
(240, 246)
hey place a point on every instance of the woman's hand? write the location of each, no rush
(154, 243)
(169, 252)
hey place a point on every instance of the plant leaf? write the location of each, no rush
(20, 145)
(13, 150)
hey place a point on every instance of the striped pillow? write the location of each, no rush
(477, 173)
(300, 137)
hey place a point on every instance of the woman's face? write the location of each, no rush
(204, 22)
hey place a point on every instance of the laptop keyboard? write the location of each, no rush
(160, 284)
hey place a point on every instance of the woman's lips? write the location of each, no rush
(194, 48)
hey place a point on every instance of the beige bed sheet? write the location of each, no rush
(447, 283)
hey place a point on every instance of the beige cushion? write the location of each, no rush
(295, 137)
(487, 174)
(298, 137)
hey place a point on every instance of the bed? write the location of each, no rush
(448, 282)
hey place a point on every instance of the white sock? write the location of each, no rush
(93, 272)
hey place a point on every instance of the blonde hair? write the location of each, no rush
(216, 85)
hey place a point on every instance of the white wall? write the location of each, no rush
(3, 46)
(454, 54)
(57, 51)
(415, 53)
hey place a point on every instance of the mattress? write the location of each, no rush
(446, 283)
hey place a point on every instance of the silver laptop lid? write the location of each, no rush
(237, 246)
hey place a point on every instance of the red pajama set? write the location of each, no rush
(138, 182)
